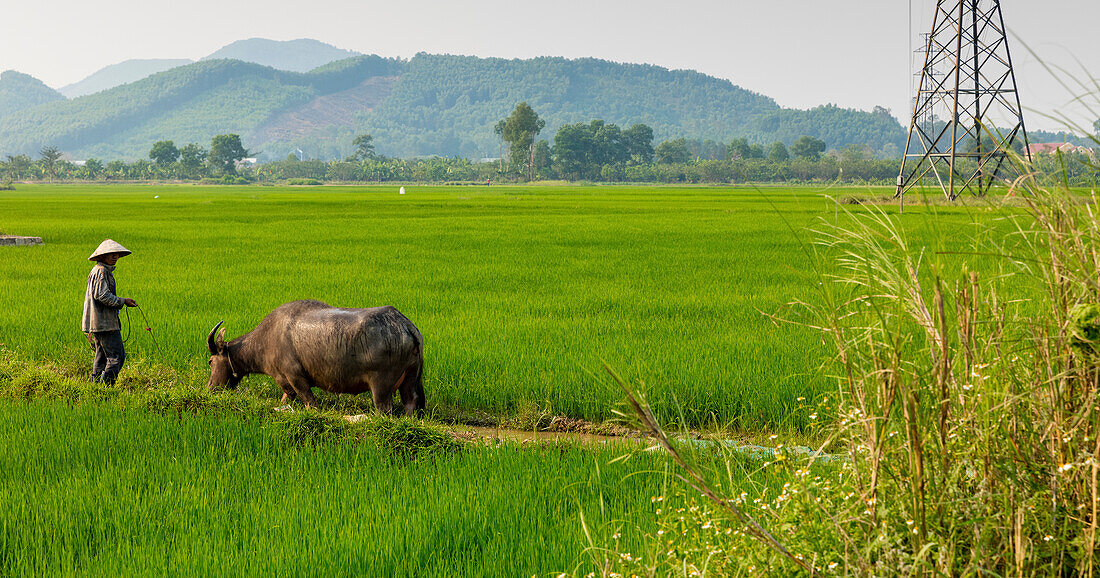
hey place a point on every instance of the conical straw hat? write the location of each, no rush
(107, 247)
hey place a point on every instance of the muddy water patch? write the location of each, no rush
(491, 434)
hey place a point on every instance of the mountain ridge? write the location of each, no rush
(121, 73)
(19, 91)
(428, 105)
(299, 55)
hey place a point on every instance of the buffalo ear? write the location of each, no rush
(210, 343)
(221, 340)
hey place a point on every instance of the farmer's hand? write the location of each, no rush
(130, 302)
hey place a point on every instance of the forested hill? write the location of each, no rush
(449, 104)
(118, 74)
(300, 55)
(428, 105)
(186, 104)
(20, 91)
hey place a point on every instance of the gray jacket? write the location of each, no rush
(101, 305)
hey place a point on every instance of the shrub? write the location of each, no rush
(1084, 329)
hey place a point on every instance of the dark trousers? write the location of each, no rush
(109, 356)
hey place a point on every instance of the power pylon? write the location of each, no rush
(967, 112)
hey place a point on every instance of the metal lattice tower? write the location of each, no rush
(967, 112)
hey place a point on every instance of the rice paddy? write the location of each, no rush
(522, 295)
(94, 489)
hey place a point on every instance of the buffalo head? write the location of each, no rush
(222, 372)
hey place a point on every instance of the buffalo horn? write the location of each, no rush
(210, 343)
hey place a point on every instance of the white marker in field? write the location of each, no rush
(157, 197)
(402, 191)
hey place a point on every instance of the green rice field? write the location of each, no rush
(98, 490)
(521, 293)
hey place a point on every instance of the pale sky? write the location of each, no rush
(802, 53)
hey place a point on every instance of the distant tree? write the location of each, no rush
(141, 169)
(115, 169)
(572, 144)
(638, 141)
(225, 151)
(607, 145)
(882, 111)
(738, 149)
(778, 152)
(164, 153)
(519, 130)
(364, 148)
(807, 147)
(18, 166)
(582, 151)
(192, 159)
(854, 153)
(50, 156)
(707, 150)
(541, 156)
(92, 168)
(673, 151)
(1096, 127)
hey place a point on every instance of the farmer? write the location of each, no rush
(101, 306)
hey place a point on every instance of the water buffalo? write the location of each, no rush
(306, 344)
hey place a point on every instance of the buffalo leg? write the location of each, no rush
(305, 393)
(289, 394)
(297, 389)
(408, 392)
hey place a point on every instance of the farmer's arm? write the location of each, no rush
(102, 293)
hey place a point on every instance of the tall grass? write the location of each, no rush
(966, 403)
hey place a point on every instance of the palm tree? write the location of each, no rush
(50, 156)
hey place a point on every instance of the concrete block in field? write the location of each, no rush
(12, 240)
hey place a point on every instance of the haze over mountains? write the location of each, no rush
(124, 72)
(20, 91)
(300, 55)
(304, 94)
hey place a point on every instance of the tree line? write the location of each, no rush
(166, 161)
(602, 151)
(587, 151)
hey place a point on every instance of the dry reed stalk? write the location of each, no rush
(696, 481)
